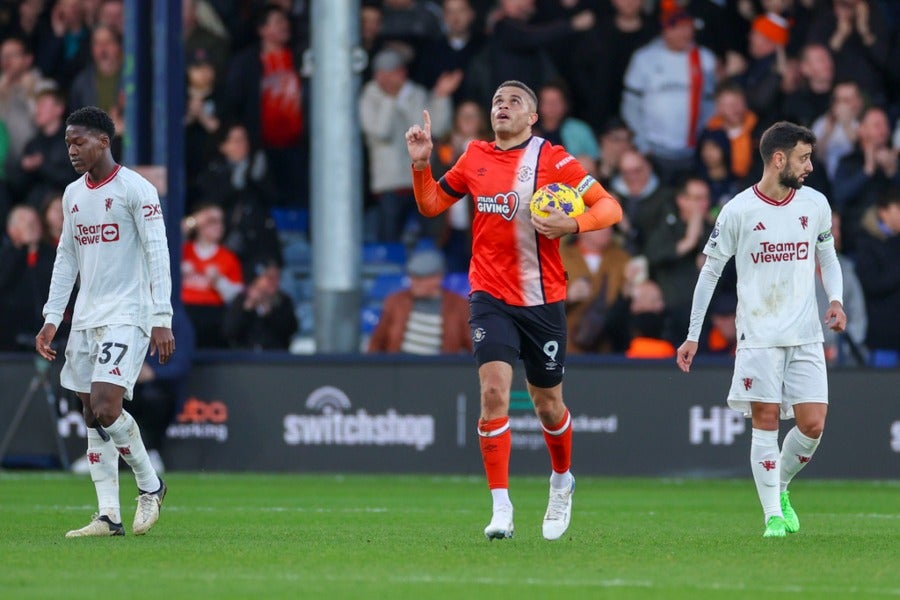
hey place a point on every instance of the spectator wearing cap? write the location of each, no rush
(387, 104)
(425, 318)
(668, 95)
(761, 76)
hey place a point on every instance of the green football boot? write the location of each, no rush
(791, 521)
(775, 527)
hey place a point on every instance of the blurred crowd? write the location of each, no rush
(663, 102)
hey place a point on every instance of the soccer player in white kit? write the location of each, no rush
(114, 237)
(776, 230)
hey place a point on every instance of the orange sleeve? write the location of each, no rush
(430, 198)
(603, 211)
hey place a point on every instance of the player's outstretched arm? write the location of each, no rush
(419, 144)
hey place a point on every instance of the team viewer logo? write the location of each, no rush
(336, 426)
(94, 234)
(110, 232)
(774, 252)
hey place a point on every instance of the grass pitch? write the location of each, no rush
(303, 536)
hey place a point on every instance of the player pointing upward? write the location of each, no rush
(115, 239)
(517, 281)
(776, 230)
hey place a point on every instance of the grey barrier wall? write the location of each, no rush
(419, 416)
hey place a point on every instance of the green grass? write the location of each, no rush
(301, 536)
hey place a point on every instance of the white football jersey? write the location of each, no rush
(113, 236)
(774, 244)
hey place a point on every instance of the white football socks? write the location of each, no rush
(561, 481)
(796, 450)
(126, 435)
(764, 463)
(103, 462)
(500, 497)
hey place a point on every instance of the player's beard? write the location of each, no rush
(789, 180)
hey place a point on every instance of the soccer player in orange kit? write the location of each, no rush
(518, 282)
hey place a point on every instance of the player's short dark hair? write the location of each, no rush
(518, 84)
(887, 196)
(93, 118)
(784, 136)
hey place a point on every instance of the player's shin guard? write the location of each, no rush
(126, 435)
(764, 463)
(103, 462)
(796, 451)
(496, 442)
(558, 438)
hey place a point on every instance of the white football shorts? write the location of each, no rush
(112, 354)
(784, 375)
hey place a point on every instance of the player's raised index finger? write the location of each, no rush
(426, 119)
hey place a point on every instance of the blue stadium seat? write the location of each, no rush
(291, 219)
(384, 285)
(369, 318)
(297, 284)
(425, 243)
(457, 283)
(383, 257)
(297, 253)
(305, 318)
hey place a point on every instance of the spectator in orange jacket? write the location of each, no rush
(423, 319)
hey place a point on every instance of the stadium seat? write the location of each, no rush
(385, 284)
(291, 219)
(885, 359)
(297, 284)
(305, 318)
(457, 283)
(383, 258)
(297, 253)
(369, 317)
(425, 244)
